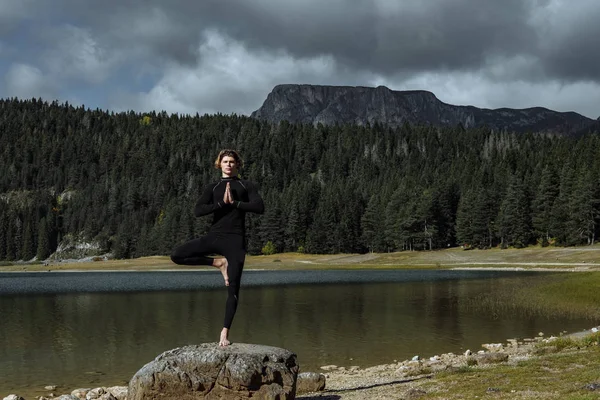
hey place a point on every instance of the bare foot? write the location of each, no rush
(222, 264)
(224, 341)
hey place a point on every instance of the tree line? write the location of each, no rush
(129, 181)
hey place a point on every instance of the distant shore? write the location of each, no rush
(584, 258)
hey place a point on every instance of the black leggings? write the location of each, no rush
(231, 246)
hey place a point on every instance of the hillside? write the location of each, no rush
(329, 105)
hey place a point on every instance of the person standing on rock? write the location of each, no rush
(228, 200)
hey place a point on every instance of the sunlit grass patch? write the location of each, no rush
(563, 375)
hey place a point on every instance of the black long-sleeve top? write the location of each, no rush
(229, 218)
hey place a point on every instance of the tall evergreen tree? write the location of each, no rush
(372, 223)
(514, 224)
(43, 248)
(546, 194)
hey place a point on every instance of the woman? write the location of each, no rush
(228, 200)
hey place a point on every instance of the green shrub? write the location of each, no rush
(269, 249)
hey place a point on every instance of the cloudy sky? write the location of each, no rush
(225, 56)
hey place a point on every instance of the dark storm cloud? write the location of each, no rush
(226, 55)
(381, 36)
(572, 49)
(385, 37)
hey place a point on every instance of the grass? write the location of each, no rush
(575, 258)
(567, 374)
(566, 294)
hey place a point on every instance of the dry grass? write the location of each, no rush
(554, 258)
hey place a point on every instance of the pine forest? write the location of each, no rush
(127, 183)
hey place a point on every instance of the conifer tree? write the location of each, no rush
(546, 194)
(372, 224)
(43, 247)
(514, 218)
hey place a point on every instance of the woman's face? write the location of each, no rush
(229, 166)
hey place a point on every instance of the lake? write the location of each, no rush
(88, 329)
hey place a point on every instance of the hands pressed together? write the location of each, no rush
(227, 198)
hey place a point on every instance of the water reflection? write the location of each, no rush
(80, 340)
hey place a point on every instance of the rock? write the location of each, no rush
(468, 353)
(237, 371)
(415, 358)
(593, 386)
(329, 367)
(13, 397)
(493, 346)
(66, 397)
(310, 382)
(328, 105)
(95, 393)
(490, 358)
(50, 387)
(119, 392)
(80, 393)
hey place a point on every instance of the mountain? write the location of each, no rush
(361, 105)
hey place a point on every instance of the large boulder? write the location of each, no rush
(207, 371)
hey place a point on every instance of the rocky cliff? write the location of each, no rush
(361, 105)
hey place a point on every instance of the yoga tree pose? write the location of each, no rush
(228, 200)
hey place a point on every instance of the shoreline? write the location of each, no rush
(418, 377)
(381, 381)
(465, 267)
(554, 258)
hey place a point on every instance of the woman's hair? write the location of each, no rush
(230, 153)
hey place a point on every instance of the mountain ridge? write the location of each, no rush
(361, 105)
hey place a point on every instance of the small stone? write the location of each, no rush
(592, 386)
(329, 367)
(468, 353)
(595, 330)
(415, 358)
(492, 390)
(541, 334)
(95, 393)
(80, 393)
(13, 397)
(50, 387)
(67, 397)
(119, 392)
(493, 346)
(309, 382)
